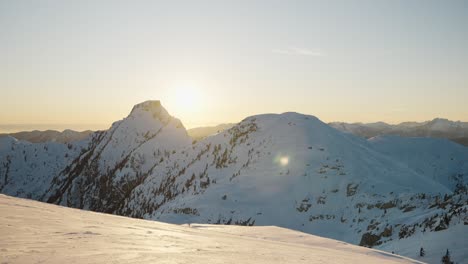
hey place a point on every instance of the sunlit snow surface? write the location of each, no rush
(34, 232)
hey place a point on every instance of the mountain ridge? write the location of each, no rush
(38, 136)
(456, 131)
(290, 170)
(379, 128)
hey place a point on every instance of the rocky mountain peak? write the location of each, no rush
(153, 107)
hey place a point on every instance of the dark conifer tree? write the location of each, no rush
(446, 258)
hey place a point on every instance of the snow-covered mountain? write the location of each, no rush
(34, 232)
(27, 169)
(439, 128)
(36, 136)
(119, 159)
(289, 170)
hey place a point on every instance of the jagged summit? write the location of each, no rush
(148, 105)
(152, 107)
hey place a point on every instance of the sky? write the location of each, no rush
(84, 64)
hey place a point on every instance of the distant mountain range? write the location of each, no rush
(37, 136)
(456, 131)
(438, 128)
(203, 132)
(290, 170)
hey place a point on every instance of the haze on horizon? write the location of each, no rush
(84, 64)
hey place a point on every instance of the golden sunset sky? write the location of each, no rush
(84, 64)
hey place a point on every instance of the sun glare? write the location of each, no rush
(185, 100)
(187, 97)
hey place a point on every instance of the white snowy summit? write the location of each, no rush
(289, 170)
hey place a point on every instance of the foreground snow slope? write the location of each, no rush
(34, 232)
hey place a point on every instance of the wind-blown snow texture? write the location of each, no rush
(35, 232)
(384, 192)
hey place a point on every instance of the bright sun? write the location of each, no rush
(186, 99)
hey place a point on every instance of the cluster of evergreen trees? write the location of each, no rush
(445, 259)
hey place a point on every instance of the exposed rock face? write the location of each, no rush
(370, 240)
(388, 231)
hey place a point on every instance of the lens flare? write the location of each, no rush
(284, 161)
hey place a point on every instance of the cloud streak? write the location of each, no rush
(299, 52)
